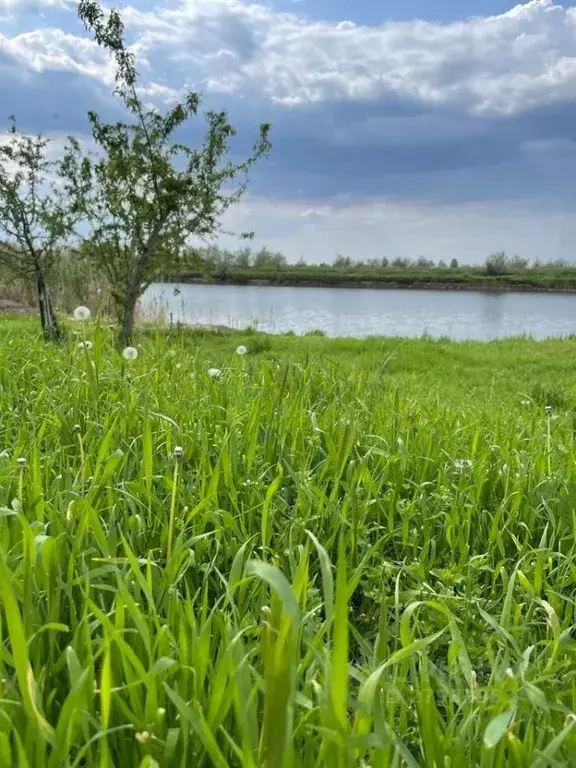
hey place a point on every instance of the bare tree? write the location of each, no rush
(145, 194)
(35, 219)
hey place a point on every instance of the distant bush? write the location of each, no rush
(497, 264)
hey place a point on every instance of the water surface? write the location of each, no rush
(361, 312)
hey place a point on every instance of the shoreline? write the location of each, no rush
(420, 285)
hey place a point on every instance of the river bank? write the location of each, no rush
(488, 285)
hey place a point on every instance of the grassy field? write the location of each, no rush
(363, 555)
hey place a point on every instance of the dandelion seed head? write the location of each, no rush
(241, 350)
(21, 461)
(81, 313)
(130, 353)
(214, 373)
(75, 429)
(548, 409)
(178, 453)
(85, 345)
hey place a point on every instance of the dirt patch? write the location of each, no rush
(7, 305)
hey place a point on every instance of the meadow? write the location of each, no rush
(318, 553)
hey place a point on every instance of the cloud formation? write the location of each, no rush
(493, 65)
(434, 116)
(500, 64)
(54, 50)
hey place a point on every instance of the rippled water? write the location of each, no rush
(361, 312)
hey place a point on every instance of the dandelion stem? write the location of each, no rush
(548, 446)
(82, 457)
(172, 510)
(21, 488)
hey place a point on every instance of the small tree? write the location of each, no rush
(518, 263)
(144, 194)
(265, 259)
(35, 221)
(454, 264)
(497, 264)
(342, 262)
(243, 258)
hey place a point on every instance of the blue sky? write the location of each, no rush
(399, 128)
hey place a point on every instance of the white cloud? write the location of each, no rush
(498, 64)
(53, 49)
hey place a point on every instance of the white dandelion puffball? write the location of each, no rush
(130, 353)
(81, 313)
(85, 345)
(241, 350)
(214, 373)
(21, 461)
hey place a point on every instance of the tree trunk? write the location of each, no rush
(126, 312)
(50, 326)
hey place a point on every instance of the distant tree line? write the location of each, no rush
(222, 263)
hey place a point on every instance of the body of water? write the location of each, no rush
(362, 312)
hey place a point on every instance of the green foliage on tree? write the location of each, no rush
(342, 262)
(144, 193)
(266, 259)
(35, 219)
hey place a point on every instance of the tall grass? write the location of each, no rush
(72, 281)
(345, 567)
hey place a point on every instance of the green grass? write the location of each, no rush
(366, 555)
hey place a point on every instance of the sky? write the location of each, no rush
(401, 128)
